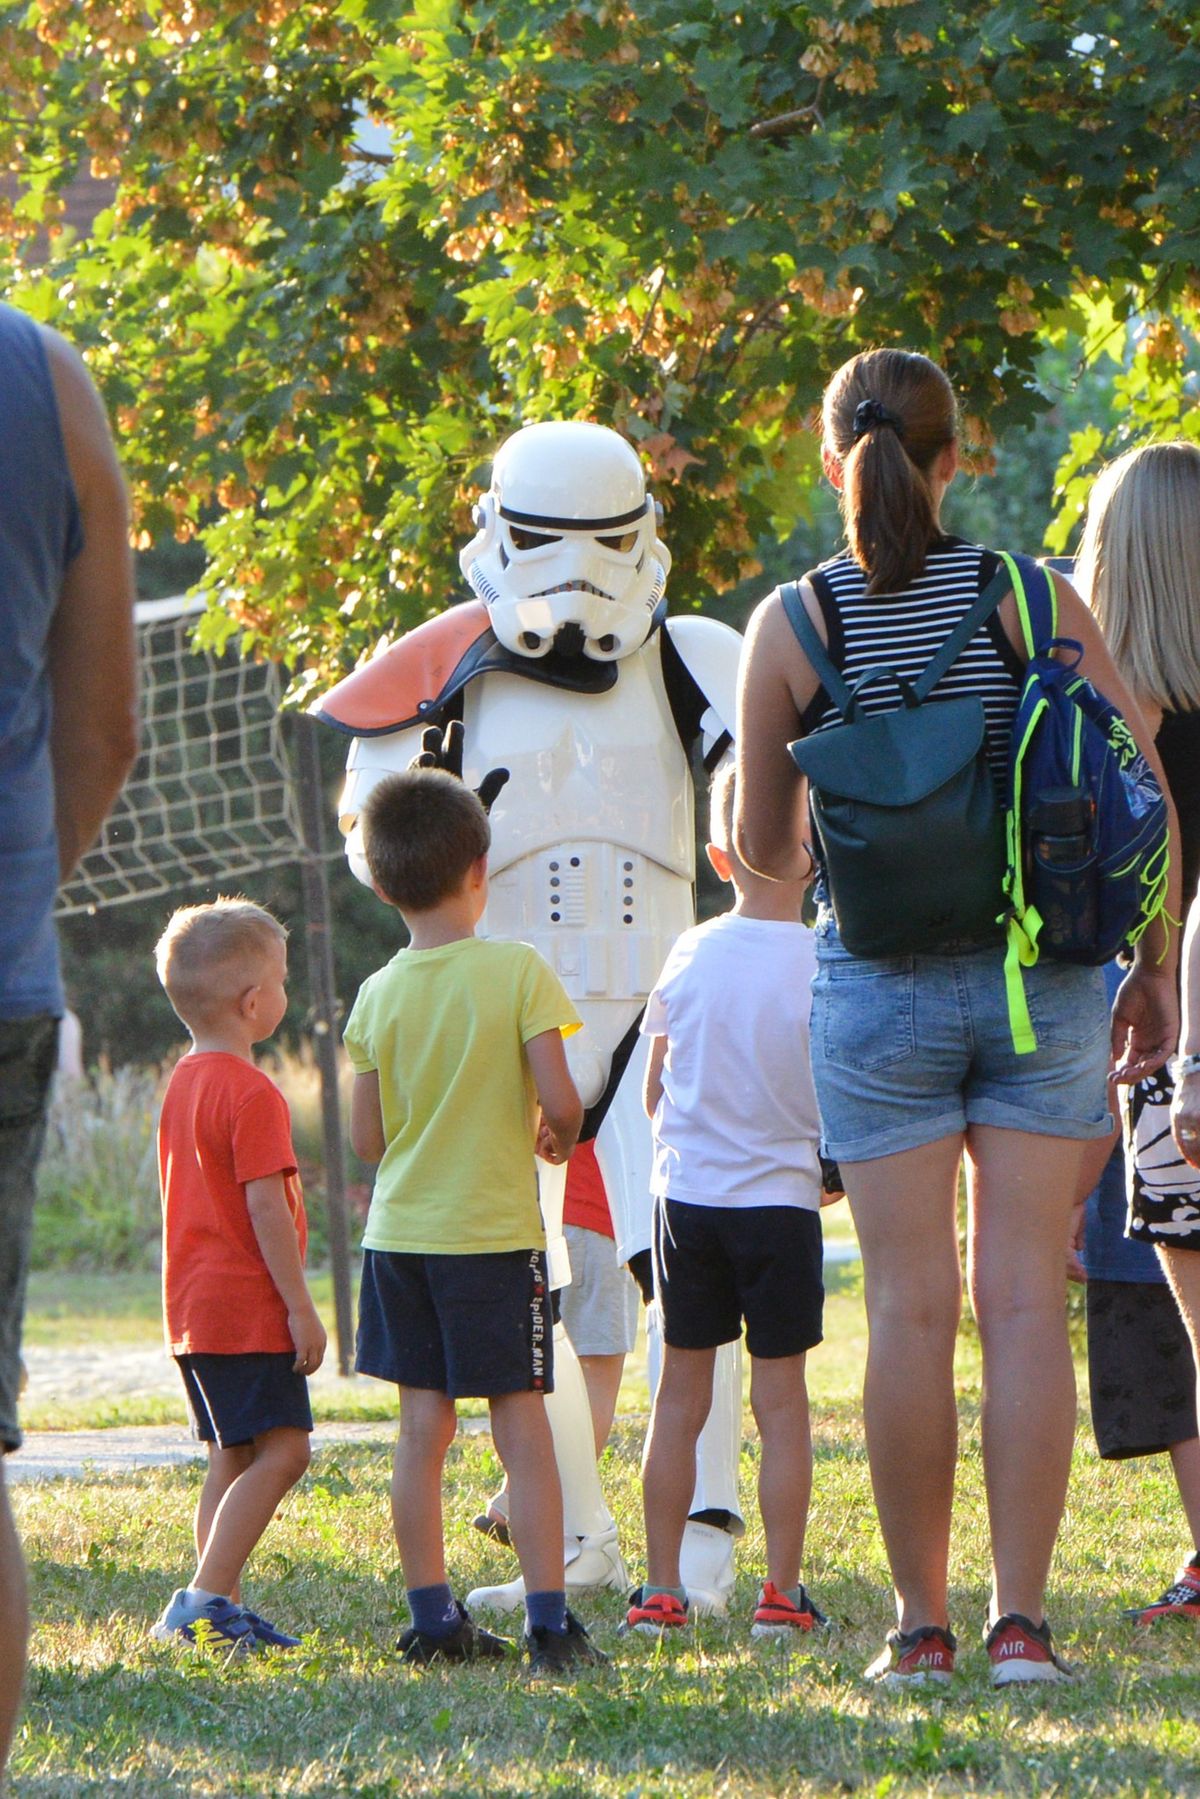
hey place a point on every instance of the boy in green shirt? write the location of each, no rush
(455, 1045)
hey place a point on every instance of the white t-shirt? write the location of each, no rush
(737, 1123)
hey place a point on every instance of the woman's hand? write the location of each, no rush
(1145, 1022)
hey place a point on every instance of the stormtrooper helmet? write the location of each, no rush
(567, 555)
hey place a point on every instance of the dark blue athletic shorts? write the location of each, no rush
(469, 1326)
(715, 1265)
(235, 1398)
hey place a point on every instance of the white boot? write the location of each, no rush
(706, 1567)
(590, 1562)
(591, 1555)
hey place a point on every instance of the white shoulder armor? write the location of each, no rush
(710, 651)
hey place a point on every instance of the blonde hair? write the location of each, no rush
(1139, 569)
(208, 955)
(721, 796)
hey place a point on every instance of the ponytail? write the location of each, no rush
(887, 415)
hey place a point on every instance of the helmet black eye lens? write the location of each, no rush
(529, 540)
(624, 543)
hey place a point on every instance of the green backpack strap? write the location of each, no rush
(1035, 638)
(1023, 924)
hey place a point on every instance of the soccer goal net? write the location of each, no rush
(212, 797)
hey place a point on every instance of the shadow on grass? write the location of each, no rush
(656, 1724)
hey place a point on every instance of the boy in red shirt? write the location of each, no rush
(239, 1317)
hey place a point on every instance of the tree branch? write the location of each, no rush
(786, 124)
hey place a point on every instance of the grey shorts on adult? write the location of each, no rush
(600, 1307)
(28, 1047)
(1141, 1371)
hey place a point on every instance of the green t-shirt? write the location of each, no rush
(446, 1028)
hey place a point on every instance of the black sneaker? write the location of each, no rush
(561, 1652)
(1181, 1599)
(468, 1643)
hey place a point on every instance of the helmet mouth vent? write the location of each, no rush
(544, 593)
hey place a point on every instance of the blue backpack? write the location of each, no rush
(1085, 817)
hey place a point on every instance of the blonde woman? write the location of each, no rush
(1139, 570)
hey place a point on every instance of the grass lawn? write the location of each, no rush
(108, 1712)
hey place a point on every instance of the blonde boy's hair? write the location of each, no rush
(208, 955)
(721, 798)
(1139, 569)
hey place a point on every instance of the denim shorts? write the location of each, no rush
(908, 1049)
(28, 1050)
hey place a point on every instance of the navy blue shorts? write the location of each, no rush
(470, 1326)
(235, 1398)
(715, 1265)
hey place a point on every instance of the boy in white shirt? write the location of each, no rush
(737, 1233)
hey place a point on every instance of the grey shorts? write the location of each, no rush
(600, 1307)
(28, 1050)
(1140, 1369)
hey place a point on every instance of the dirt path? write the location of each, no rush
(67, 1454)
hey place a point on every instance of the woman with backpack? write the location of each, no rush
(913, 1049)
(1139, 570)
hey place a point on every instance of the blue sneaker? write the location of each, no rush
(269, 1635)
(226, 1622)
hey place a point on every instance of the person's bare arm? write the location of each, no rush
(93, 658)
(1146, 1009)
(775, 684)
(562, 1108)
(652, 1086)
(275, 1230)
(366, 1118)
(1185, 1106)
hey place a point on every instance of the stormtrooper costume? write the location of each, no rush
(566, 671)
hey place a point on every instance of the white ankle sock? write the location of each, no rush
(197, 1597)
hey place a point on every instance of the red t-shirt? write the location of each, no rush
(223, 1124)
(585, 1202)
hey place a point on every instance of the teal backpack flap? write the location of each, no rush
(911, 836)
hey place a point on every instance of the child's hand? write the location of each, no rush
(548, 1147)
(308, 1337)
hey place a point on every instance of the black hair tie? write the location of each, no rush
(870, 413)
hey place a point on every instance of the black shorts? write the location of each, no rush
(715, 1265)
(1140, 1369)
(235, 1398)
(470, 1326)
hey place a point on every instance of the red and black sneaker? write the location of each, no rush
(1021, 1653)
(776, 1615)
(654, 1614)
(1181, 1599)
(915, 1657)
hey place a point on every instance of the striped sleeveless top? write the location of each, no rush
(905, 631)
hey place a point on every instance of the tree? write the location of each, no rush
(674, 215)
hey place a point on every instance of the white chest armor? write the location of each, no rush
(593, 848)
(593, 838)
